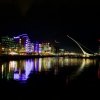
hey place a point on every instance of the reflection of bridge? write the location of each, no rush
(84, 52)
(84, 63)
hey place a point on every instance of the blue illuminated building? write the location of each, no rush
(24, 42)
(36, 47)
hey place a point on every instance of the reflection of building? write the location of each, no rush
(0, 49)
(20, 70)
(99, 72)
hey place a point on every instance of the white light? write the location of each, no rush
(13, 53)
(16, 37)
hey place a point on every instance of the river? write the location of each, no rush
(49, 73)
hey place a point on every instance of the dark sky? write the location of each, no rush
(51, 19)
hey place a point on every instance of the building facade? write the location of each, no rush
(24, 43)
(8, 45)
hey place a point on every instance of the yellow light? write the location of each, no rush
(86, 56)
(2, 48)
(12, 65)
(9, 49)
(40, 64)
(15, 49)
(19, 40)
(13, 53)
(2, 68)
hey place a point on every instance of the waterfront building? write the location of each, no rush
(8, 44)
(24, 43)
(36, 48)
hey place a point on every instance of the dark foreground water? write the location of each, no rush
(52, 77)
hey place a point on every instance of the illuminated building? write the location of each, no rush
(36, 47)
(61, 51)
(40, 48)
(45, 47)
(22, 45)
(8, 44)
(24, 42)
(31, 47)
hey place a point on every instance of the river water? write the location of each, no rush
(51, 73)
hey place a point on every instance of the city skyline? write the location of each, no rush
(91, 43)
(49, 48)
(22, 45)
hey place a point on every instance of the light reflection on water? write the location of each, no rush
(20, 70)
(84, 64)
(99, 71)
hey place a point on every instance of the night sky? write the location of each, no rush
(52, 20)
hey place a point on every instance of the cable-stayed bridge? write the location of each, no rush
(85, 54)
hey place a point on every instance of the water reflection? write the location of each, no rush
(20, 70)
(84, 64)
(99, 71)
